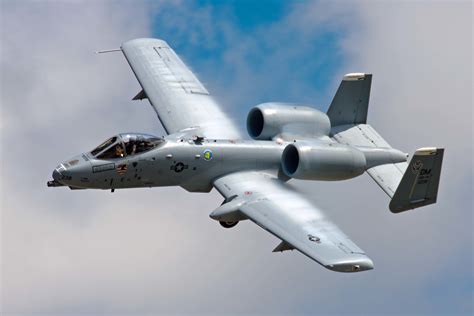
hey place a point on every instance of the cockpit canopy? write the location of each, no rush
(124, 145)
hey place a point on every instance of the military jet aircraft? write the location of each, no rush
(203, 149)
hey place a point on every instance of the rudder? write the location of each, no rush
(419, 184)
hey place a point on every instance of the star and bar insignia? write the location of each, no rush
(179, 167)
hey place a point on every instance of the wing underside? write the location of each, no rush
(277, 208)
(177, 96)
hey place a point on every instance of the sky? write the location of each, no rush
(156, 251)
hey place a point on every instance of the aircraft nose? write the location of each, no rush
(71, 172)
(57, 175)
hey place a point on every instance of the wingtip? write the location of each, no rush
(364, 264)
(145, 42)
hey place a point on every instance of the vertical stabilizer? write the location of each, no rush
(408, 185)
(419, 184)
(351, 102)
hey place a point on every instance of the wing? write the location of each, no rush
(179, 99)
(274, 206)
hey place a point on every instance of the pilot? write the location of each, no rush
(141, 146)
(118, 151)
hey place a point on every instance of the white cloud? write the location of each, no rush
(156, 251)
(421, 58)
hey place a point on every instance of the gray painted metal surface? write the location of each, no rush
(419, 186)
(272, 205)
(286, 121)
(203, 150)
(351, 102)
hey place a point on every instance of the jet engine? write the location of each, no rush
(322, 161)
(268, 120)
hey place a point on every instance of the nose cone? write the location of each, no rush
(71, 173)
(57, 175)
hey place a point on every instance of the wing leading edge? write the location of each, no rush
(275, 207)
(177, 96)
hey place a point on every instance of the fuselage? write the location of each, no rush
(191, 164)
(139, 160)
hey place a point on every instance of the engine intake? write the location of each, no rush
(267, 120)
(321, 161)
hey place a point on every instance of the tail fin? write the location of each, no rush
(408, 185)
(351, 102)
(419, 184)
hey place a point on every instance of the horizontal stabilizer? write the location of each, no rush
(419, 184)
(388, 176)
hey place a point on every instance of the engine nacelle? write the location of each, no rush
(321, 161)
(267, 120)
